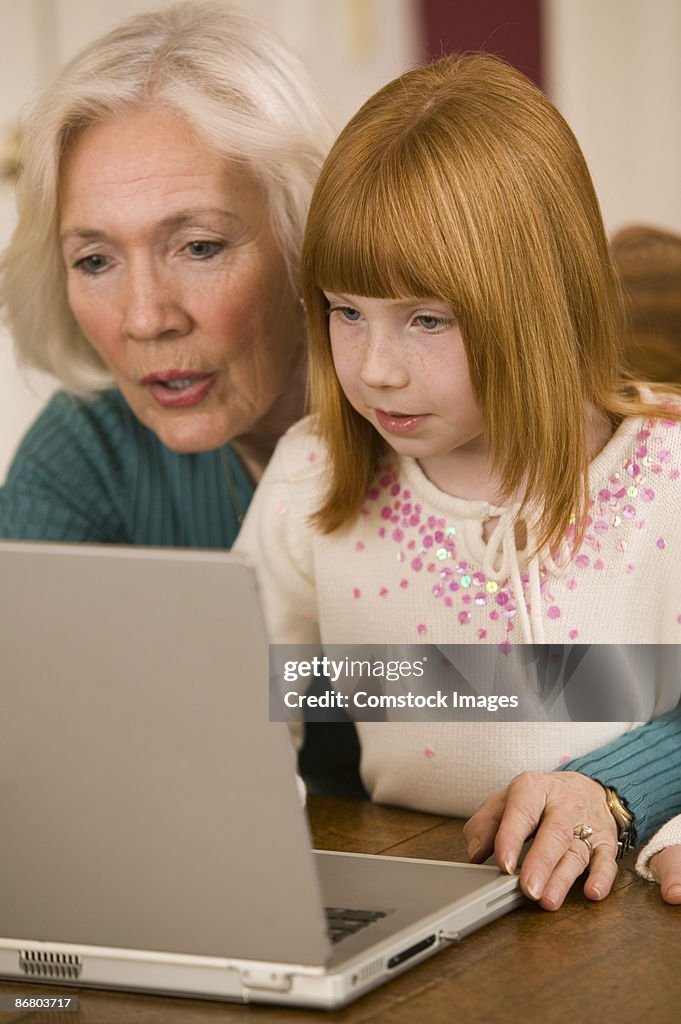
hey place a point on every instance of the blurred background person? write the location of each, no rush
(648, 260)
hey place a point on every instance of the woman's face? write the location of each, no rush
(176, 280)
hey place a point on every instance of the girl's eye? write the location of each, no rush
(93, 264)
(347, 313)
(204, 250)
(433, 323)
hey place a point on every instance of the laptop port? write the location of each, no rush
(407, 954)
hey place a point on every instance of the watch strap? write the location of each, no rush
(624, 820)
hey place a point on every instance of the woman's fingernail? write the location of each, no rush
(550, 900)
(509, 865)
(534, 886)
(473, 847)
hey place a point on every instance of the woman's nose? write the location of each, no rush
(383, 365)
(152, 306)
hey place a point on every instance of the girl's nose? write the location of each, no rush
(383, 365)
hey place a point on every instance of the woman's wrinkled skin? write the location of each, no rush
(543, 803)
(176, 280)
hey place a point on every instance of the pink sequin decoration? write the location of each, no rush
(429, 752)
(427, 545)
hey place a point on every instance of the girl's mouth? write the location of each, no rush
(399, 423)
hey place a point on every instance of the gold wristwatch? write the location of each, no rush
(624, 819)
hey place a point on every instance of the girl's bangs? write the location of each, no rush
(379, 242)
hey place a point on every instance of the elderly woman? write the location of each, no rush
(166, 178)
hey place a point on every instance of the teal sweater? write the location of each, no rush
(89, 471)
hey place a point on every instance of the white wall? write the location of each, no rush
(22, 65)
(614, 71)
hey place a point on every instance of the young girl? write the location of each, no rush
(475, 470)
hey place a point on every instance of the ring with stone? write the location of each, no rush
(584, 832)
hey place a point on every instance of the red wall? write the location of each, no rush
(509, 28)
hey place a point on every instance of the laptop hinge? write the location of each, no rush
(265, 978)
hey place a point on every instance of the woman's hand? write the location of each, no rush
(665, 867)
(548, 806)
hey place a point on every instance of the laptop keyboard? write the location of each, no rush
(342, 921)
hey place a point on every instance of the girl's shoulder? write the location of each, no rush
(301, 454)
(644, 437)
(637, 475)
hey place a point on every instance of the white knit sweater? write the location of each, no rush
(668, 835)
(415, 568)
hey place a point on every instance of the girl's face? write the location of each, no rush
(402, 365)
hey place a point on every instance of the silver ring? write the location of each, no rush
(584, 833)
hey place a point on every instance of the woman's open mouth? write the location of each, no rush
(176, 390)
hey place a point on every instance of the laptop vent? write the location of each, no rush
(36, 964)
(369, 971)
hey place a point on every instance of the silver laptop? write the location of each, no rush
(153, 837)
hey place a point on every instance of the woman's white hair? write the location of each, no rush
(244, 94)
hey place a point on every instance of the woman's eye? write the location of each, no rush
(93, 264)
(204, 250)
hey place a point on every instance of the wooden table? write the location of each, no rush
(590, 962)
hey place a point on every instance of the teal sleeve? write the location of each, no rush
(644, 766)
(59, 486)
(88, 470)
